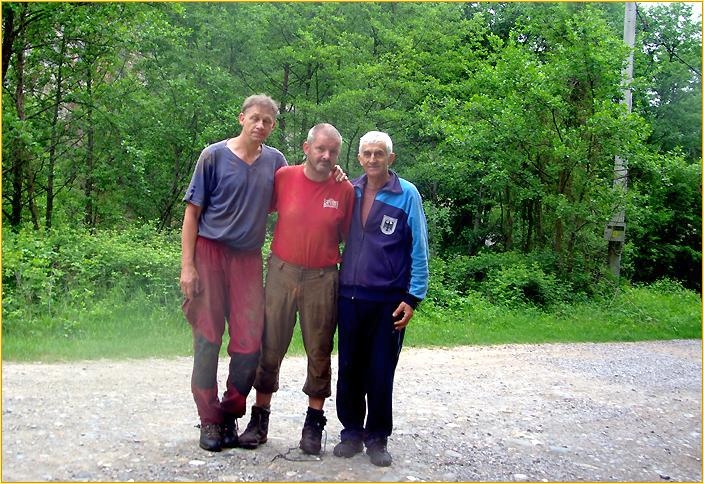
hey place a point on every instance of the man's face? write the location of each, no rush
(322, 153)
(375, 160)
(257, 123)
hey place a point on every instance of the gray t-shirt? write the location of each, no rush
(235, 197)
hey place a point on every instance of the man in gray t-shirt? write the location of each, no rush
(221, 265)
(236, 195)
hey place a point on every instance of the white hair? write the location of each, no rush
(377, 137)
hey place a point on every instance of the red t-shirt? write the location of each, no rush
(314, 217)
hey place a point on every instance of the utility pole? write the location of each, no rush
(615, 231)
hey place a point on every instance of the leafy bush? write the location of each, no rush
(506, 279)
(439, 228)
(42, 271)
(72, 294)
(525, 284)
(663, 238)
(439, 292)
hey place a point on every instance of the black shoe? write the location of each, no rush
(378, 454)
(312, 432)
(229, 433)
(257, 429)
(210, 437)
(348, 448)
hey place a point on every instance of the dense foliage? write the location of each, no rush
(43, 273)
(74, 294)
(505, 115)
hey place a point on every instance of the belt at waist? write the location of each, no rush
(295, 269)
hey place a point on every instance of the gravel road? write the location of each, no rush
(553, 412)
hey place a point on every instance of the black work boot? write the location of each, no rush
(257, 428)
(210, 437)
(312, 432)
(378, 454)
(348, 448)
(229, 432)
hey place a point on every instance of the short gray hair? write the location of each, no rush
(376, 137)
(329, 128)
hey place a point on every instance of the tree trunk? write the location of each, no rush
(8, 38)
(89, 188)
(54, 138)
(559, 236)
(528, 238)
(508, 220)
(180, 167)
(31, 201)
(20, 150)
(284, 100)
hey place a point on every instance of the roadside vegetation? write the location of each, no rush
(75, 295)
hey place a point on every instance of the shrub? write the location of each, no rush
(72, 266)
(441, 293)
(507, 279)
(525, 284)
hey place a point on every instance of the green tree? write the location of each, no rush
(668, 77)
(505, 115)
(664, 225)
(183, 98)
(532, 133)
(25, 28)
(60, 132)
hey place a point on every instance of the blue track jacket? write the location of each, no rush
(387, 259)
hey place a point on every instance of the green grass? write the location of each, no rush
(635, 314)
(133, 326)
(110, 328)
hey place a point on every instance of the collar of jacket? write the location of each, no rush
(393, 184)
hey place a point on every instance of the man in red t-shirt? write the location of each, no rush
(314, 215)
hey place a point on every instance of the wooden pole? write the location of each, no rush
(615, 231)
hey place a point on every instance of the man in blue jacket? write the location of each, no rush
(383, 277)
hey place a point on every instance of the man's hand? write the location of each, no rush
(339, 174)
(190, 282)
(403, 314)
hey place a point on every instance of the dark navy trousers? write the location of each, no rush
(368, 352)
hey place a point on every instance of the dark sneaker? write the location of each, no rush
(257, 429)
(229, 433)
(312, 432)
(348, 448)
(378, 454)
(210, 437)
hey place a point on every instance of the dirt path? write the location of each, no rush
(562, 412)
